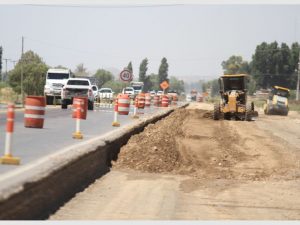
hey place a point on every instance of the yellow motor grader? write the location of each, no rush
(277, 103)
(234, 103)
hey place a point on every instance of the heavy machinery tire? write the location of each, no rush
(227, 116)
(252, 106)
(49, 100)
(64, 106)
(90, 105)
(216, 113)
(248, 112)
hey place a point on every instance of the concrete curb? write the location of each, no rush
(43, 186)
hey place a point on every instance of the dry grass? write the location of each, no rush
(8, 95)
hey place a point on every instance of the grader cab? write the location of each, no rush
(234, 103)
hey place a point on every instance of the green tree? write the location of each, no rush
(295, 51)
(143, 75)
(143, 70)
(163, 71)
(235, 65)
(154, 82)
(275, 65)
(129, 67)
(81, 71)
(60, 67)
(102, 76)
(215, 88)
(116, 85)
(34, 74)
(176, 85)
(251, 85)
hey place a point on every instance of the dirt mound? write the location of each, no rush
(189, 142)
(154, 150)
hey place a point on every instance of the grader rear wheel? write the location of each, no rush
(248, 113)
(216, 113)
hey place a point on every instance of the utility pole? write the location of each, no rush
(5, 69)
(297, 92)
(22, 94)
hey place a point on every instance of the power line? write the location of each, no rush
(105, 6)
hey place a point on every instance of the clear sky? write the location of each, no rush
(194, 38)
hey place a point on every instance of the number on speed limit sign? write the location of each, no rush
(126, 75)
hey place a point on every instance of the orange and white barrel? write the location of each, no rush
(141, 100)
(156, 100)
(34, 111)
(82, 103)
(147, 100)
(123, 104)
(165, 101)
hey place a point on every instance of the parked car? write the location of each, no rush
(159, 93)
(129, 91)
(106, 94)
(188, 98)
(152, 93)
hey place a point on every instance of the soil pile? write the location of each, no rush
(154, 150)
(189, 142)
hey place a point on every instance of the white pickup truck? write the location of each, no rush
(77, 87)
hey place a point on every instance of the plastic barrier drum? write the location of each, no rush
(156, 100)
(82, 102)
(123, 104)
(165, 101)
(141, 101)
(34, 111)
(147, 100)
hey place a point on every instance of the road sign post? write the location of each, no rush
(126, 75)
(164, 85)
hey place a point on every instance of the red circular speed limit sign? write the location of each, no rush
(126, 75)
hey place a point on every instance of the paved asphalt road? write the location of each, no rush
(31, 143)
